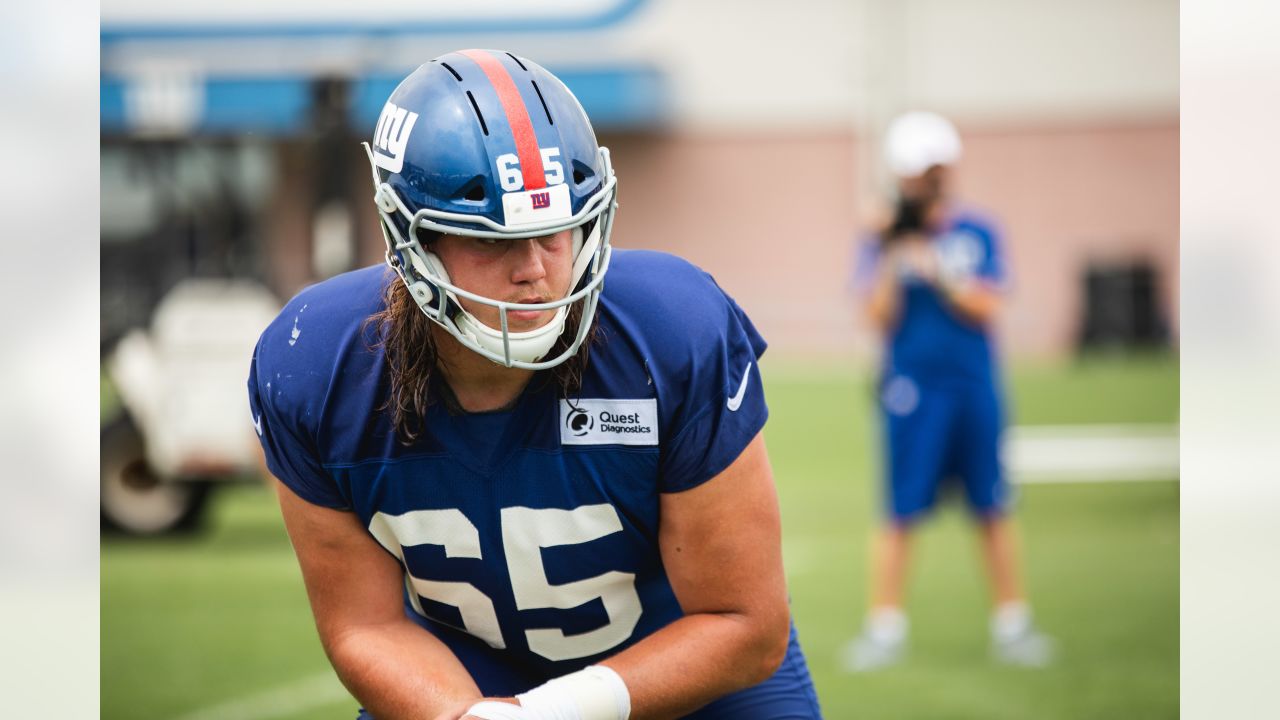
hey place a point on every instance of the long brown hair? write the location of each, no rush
(404, 334)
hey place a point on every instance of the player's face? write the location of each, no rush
(928, 186)
(532, 270)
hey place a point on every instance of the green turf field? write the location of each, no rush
(191, 625)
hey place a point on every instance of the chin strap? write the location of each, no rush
(529, 346)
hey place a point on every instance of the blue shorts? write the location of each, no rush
(941, 431)
(787, 695)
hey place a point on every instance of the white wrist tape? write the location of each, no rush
(593, 693)
(493, 710)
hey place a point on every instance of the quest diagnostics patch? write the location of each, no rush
(609, 422)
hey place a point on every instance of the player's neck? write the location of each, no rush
(479, 384)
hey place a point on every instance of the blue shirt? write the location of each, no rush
(529, 536)
(931, 341)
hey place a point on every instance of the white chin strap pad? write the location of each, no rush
(529, 346)
(525, 346)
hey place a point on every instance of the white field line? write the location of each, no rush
(1091, 453)
(296, 697)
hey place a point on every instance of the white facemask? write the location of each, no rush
(532, 345)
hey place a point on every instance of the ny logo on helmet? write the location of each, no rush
(391, 137)
(541, 200)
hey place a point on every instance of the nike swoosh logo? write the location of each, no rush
(257, 425)
(735, 402)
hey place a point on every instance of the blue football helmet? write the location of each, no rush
(485, 144)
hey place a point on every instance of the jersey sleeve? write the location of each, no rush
(723, 407)
(992, 268)
(864, 265)
(287, 442)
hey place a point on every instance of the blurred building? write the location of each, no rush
(745, 136)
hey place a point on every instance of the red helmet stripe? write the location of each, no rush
(517, 117)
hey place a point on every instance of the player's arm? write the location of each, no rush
(884, 301)
(885, 298)
(976, 294)
(722, 549)
(392, 666)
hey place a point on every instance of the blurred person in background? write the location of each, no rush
(931, 280)
(489, 525)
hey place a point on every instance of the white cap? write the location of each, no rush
(916, 141)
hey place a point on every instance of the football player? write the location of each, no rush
(932, 281)
(515, 489)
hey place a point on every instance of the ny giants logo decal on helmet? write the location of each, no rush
(550, 201)
(391, 137)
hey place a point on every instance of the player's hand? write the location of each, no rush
(918, 257)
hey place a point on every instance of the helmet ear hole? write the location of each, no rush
(581, 172)
(474, 191)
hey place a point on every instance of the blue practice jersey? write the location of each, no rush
(529, 535)
(931, 340)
